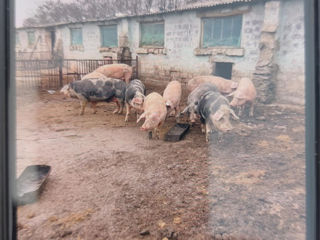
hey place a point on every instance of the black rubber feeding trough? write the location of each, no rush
(177, 132)
(31, 182)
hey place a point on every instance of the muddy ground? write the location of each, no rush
(109, 181)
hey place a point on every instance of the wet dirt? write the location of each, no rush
(109, 181)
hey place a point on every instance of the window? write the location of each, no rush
(76, 36)
(152, 34)
(109, 36)
(222, 31)
(31, 38)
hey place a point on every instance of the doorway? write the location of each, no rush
(223, 69)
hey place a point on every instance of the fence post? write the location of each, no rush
(60, 63)
(137, 67)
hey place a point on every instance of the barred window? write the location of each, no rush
(222, 31)
(76, 36)
(152, 34)
(109, 36)
(31, 38)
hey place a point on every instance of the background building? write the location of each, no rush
(263, 40)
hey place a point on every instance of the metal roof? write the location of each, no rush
(188, 7)
(211, 3)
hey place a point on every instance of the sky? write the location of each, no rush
(26, 8)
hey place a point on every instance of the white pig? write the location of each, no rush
(119, 71)
(245, 93)
(155, 113)
(224, 85)
(172, 97)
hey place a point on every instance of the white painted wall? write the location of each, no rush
(182, 32)
(182, 37)
(90, 38)
(290, 56)
(41, 42)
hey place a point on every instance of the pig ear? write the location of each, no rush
(234, 85)
(218, 115)
(241, 95)
(168, 103)
(234, 114)
(143, 115)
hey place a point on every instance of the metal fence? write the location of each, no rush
(53, 74)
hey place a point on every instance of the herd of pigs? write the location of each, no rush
(207, 98)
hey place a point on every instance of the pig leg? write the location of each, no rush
(251, 109)
(240, 110)
(118, 107)
(94, 106)
(158, 130)
(208, 131)
(83, 104)
(154, 133)
(150, 134)
(233, 114)
(192, 117)
(203, 130)
(177, 111)
(143, 115)
(121, 107)
(127, 112)
(219, 136)
(158, 133)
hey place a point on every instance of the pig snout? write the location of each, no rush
(237, 102)
(149, 124)
(223, 124)
(192, 117)
(144, 126)
(223, 127)
(137, 101)
(234, 102)
(226, 128)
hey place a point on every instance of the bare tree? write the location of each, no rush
(55, 11)
(148, 5)
(162, 5)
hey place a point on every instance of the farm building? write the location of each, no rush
(110, 181)
(260, 39)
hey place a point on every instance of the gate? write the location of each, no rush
(53, 74)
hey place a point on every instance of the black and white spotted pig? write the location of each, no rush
(194, 98)
(134, 97)
(214, 110)
(95, 87)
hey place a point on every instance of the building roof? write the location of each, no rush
(211, 3)
(188, 7)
